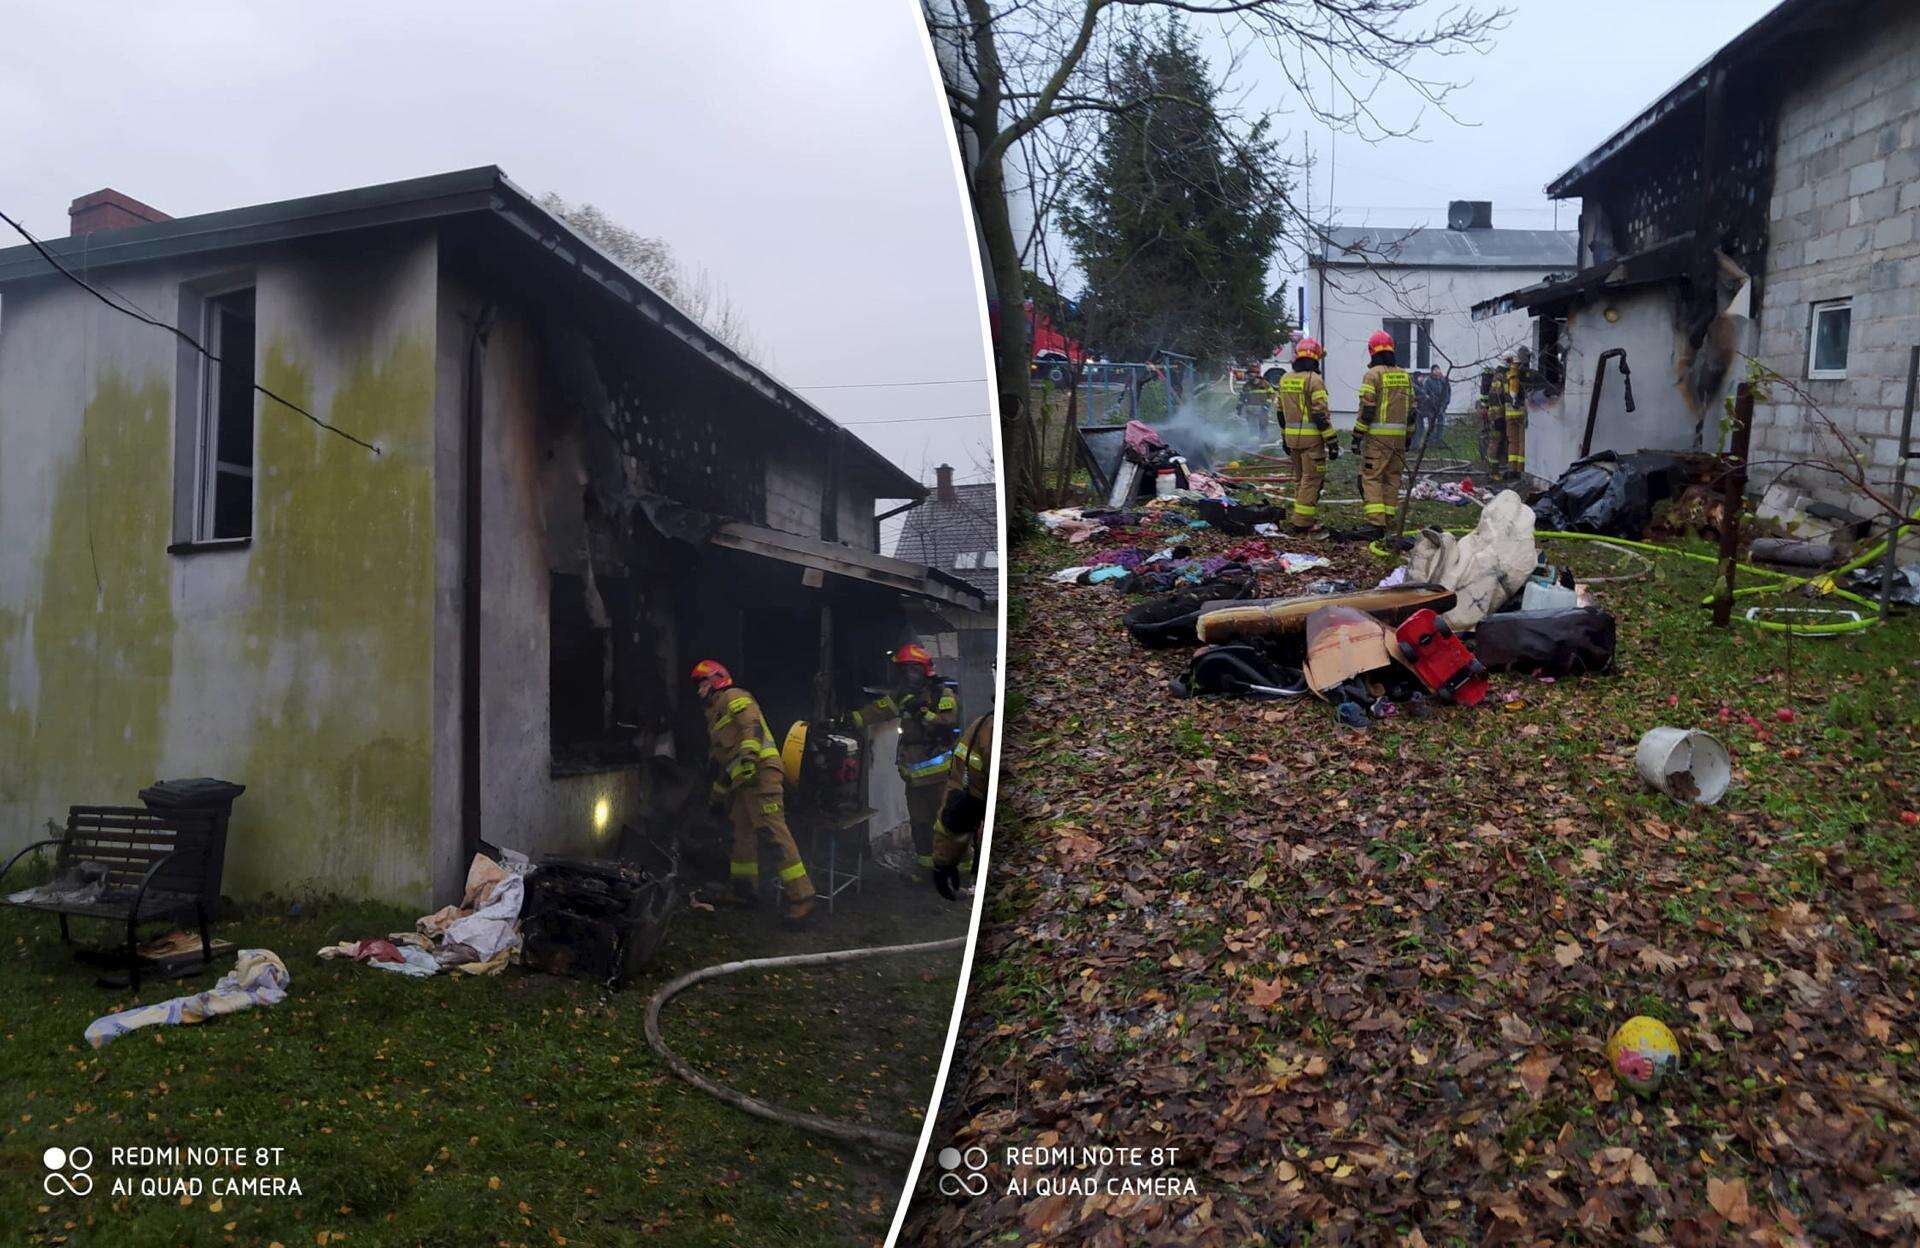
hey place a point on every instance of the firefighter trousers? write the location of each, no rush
(759, 813)
(1516, 441)
(1309, 471)
(1383, 461)
(1493, 439)
(923, 810)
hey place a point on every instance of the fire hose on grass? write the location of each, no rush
(1772, 582)
(853, 1133)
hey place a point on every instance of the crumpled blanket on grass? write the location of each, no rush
(477, 937)
(258, 977)
(1484, 568)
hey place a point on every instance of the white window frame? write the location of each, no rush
(1814, 312)
(205, 400)
(966, 561)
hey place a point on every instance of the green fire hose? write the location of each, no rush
(1772, 582)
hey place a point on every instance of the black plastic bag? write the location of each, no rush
(1610, 493)
(1168, 620)
(1237, 518)
(1240, 669)
(1557, 642)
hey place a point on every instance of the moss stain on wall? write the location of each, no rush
(102, 630)
(341, 631)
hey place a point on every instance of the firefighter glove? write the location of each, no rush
(947, 880)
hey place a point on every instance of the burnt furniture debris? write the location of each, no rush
(598, 920)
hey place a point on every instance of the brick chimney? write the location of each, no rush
(108, 209)
(943, 484)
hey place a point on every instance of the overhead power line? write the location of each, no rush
(881, 385)
(128, 310)
(909, 420)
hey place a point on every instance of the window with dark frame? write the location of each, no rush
(224, 493)
(1412, 341)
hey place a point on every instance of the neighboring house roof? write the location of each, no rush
(956, 536)
(1449, 249)
(469, 192)
(1799, 21)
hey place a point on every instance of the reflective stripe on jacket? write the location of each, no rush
(928, 719)
(1386, 399)
(739, 742)
(972, 756)
(1303, 410)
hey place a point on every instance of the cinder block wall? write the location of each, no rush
(1845, 223)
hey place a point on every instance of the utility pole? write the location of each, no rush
(1732, 497)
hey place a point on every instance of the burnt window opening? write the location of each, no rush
(1552, 352)
(596, 660)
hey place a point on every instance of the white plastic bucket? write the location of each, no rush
(1686, 765)
(1165, 483)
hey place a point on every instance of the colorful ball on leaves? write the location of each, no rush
(1642, 1052)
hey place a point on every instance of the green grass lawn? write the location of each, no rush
(524, 1109)
(1361, 980)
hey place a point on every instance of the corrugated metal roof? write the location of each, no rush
(1451, 249)
(944, 534)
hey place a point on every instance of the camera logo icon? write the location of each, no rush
(58, 1182)
(956, 1181)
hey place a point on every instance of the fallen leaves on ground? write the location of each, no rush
(1362, 981)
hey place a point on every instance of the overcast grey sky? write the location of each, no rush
(798, 152)
(1554, 83)
(1558, 80)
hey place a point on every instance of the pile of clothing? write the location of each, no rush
(80, 884)
(1146, 448)
(1081, 524)
(477, 937)
(1456, 494)
(1426, 636)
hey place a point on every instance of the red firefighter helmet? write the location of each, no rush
(710, 676)
(1379, 340)
(1309, 349)
(912, 655)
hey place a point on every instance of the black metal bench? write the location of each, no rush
(156, 865)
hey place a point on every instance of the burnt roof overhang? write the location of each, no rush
(899, 575)
(1796, 21)
(484, 190)
(1667, 262)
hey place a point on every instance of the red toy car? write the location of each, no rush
(1441, 660)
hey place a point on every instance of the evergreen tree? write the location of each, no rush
(1174, 227)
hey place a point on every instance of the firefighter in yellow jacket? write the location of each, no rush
(963, 808)
(1307, 431)
(1380, 433)
(752, 787)
(928, 716)
(1519, 381)
(1256, 401)
(1493, 415)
